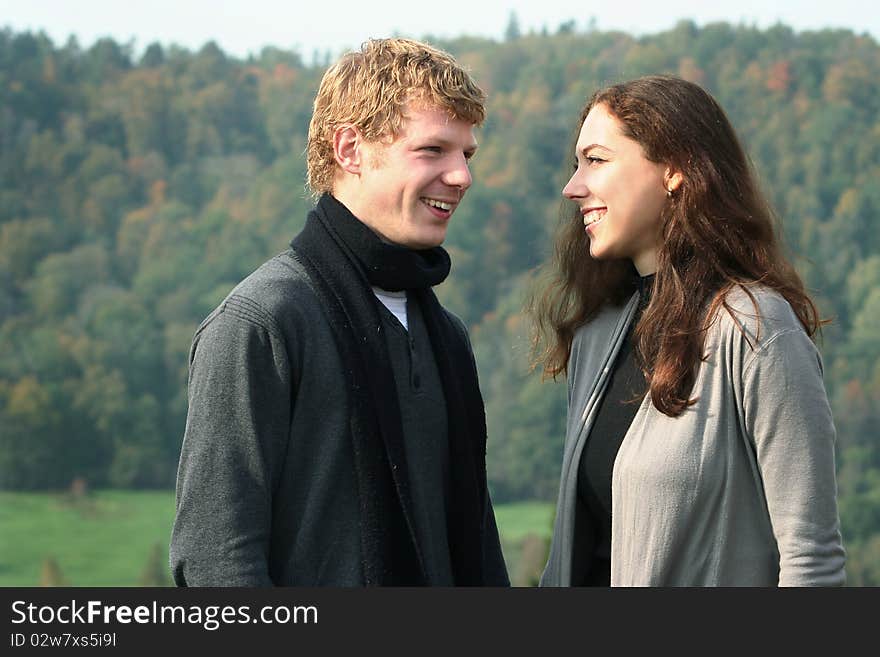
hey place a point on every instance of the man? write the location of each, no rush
(336, 433)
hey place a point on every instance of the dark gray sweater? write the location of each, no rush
(266, 492)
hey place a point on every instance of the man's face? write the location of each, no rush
(410, 187)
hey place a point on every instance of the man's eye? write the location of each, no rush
(432, 149)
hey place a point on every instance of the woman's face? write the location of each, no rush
(620, 193)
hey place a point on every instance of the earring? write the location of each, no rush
(668, 193)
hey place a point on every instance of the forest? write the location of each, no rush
(137, 189)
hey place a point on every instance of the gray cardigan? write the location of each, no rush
(737, 491)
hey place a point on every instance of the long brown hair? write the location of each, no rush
(717, 233)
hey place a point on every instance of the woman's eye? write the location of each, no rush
(590, 161)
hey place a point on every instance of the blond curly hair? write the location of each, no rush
(370, 89)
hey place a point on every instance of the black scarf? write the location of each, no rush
(343, 257)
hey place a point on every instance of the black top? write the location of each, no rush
(425, 432)
(625, 391)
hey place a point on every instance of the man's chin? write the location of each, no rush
(424, 241)
(430, 244)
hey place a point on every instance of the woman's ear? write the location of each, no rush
(347, 142)
(672, 180)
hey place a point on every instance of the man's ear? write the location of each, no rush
(347, 141)
(672, 180)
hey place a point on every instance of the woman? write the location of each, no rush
(700, 444)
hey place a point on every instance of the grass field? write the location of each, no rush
(106, 538)
(101, 539)
(516, 521)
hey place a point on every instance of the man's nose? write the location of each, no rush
(459, 175)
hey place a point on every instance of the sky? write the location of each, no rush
(243, 27)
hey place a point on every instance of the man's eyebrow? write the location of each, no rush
(448, 143)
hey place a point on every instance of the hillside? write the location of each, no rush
(135, 192)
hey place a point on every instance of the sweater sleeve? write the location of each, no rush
(236, 432)
(789, 421)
